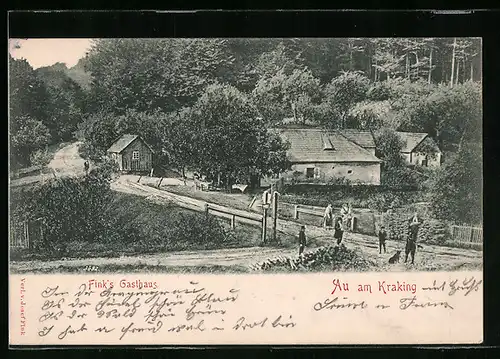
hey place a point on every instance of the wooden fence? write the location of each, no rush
(24, 233)
(319, 212)
(234, 215)
(466, 234)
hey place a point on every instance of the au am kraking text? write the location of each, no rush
(381, 286)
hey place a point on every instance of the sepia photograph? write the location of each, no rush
(245, 155)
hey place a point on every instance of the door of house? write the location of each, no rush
(135, 164)
(310, 172)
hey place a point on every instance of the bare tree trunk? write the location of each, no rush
(471, 70)
(407, 69)
(453, 62)
(416, 64)
(430, 67)
(351, 64)
(458, 72)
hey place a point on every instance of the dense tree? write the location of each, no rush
(394, 172)
(457, 192)
(67, 102)
(27, 93)
(26, 136)
(344, 91)
(448, 114)
(293, 95)
(230, 141)
(28, 113)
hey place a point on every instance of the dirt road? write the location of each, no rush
(221, 257)
(67, 161)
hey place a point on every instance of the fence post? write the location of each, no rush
(275, 215)
(296, 212)
(471, 238)
(206, 209)
(233, 221)
(264, 226)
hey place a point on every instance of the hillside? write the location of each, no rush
(78, 74)
(55, 75)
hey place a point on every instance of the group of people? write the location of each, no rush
(411, 241)
(337, 223)
(329, 221)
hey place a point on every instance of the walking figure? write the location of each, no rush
(339, 232)
(411, 242)
(346, 214)
(328, 217)
(86, 167)
(302, 239)
(382, 237)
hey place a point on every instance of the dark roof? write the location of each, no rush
(317, 145)
(124, 141)
(362, 138)
(411, 139)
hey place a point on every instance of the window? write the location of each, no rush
(135, 155)
(310, 172)
(349, 171)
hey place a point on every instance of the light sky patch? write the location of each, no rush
(46, 52)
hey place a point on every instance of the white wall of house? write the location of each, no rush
(419, 159)
(357, 172)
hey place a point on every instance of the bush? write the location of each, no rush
(200, 229)
(379, 91)
(41, 157)
(90, 152)
(360, 196)
(432, 231)
(106, 168)
(330, 258)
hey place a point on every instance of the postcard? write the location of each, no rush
(188, 191)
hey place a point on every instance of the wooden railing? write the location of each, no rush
(307, 210)
(232, 216)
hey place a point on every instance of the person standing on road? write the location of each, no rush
(411, 241)
(382, 237)
(86, 167)
(339, 232)
(328, 217)
(302, 239)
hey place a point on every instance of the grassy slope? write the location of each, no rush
(154, 223)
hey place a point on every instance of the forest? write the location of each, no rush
(190, 98)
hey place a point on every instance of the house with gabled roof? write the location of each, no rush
(420, 149)
(319, 155)
(132, 154)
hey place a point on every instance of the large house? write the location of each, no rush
(132, 154)
(323, 155)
